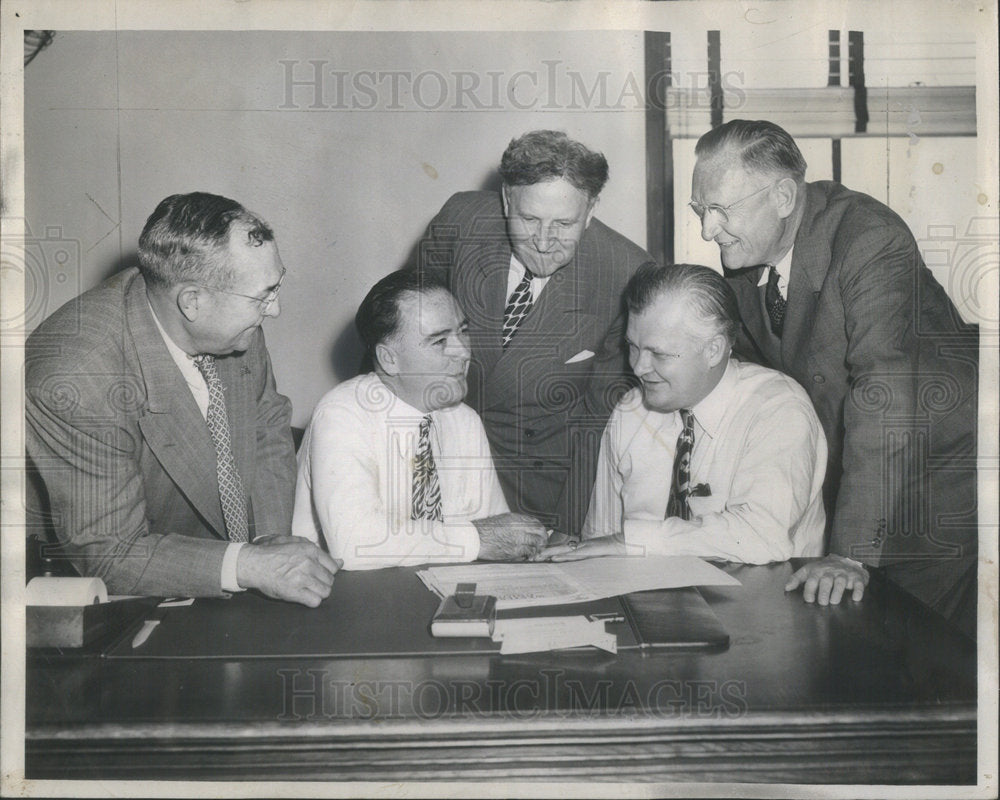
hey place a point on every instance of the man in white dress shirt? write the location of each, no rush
(710, 457)
(394, 469)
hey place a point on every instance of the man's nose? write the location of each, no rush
(543, 239)
(640, 363)
(273, 310)
(710, 226)
(461, 348)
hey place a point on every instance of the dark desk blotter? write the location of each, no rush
(367, 614)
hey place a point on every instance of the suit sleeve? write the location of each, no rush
(88, 462)
(274, 483)
(361, 526)
(877, 287)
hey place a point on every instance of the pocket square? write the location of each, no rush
(583, 355)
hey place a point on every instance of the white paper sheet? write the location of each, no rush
(544, 583)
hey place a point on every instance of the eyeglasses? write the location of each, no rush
(723, 211)
(265, 302)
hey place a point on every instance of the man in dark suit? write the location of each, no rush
(153, 420)
(540, 280)
(832, 290)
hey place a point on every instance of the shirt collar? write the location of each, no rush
(178, 355)
(399, 408)
(710, 411)
(784, 269)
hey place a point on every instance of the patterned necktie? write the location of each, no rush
(774, 302)
(231, 493)
(680, 484)
(425, 500)
(517, 307)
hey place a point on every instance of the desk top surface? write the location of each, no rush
(249, 659)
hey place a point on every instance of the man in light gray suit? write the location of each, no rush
(154, 423)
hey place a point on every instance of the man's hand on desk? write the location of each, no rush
(613, 545)
(824, 581)
(509, 537)
(287, 568)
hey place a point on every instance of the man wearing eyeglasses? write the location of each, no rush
(153, 420)
(832, 290)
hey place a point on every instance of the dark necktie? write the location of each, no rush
(680, 483)
(517, 307)
(425, 500)
(774, 302)
(231, 493)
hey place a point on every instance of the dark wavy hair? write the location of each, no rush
(378, 315)
(540, 156)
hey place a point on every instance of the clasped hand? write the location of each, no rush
(509, 537)
(287, 568)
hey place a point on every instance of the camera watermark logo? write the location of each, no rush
(43, 262)
(967, 264)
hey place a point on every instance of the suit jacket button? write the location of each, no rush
(819, 379)
(529, 432)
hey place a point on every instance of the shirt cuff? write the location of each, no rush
(229, 583)
(465, 536)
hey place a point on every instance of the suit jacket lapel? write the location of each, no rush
(173, 426)
(751, 309)
(484, 299)
(810, 256)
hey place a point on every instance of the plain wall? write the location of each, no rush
(115, 122)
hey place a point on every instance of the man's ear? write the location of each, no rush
(503, 199)
(716, 349)
(189, 300)
(785, 192)
(385, 356)
(591, 208)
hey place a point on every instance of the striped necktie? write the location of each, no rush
(517, 307)
(774, 302)
(231, 492)
(680, 483)
(425, 499)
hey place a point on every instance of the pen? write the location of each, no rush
(143, 634)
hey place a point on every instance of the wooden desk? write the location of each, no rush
(877, 692)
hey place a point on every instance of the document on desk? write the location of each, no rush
(546, 583)
(540, 634)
